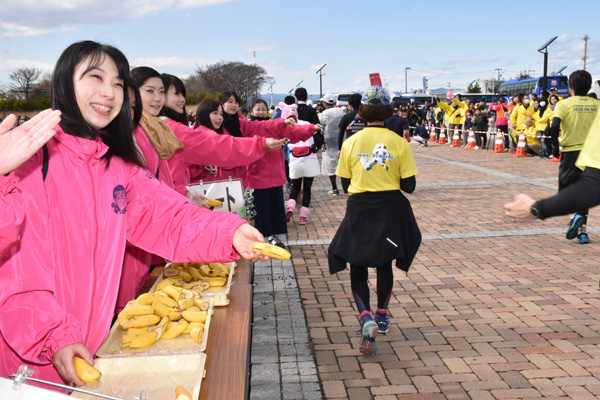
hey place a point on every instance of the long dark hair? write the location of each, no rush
(117, 135)
(137, 109)
(205, 107)
(168, 81)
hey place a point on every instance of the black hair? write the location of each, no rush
(289, 100)
(375, 111)
(205, 107)
(581, 82)
(259, 101)
(301, 94)
(137, 109)
(141, 74)
(168, 81)
(226, 95)
(117, 135)
(354, 100)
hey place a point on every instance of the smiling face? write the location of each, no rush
(231, 106)
(216, 118)
(175, 100)
(98, 91)
(259, 110)
(153, 95)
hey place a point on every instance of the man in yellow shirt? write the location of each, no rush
(573, 117)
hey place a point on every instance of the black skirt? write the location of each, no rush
(378, 227)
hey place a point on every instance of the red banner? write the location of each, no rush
(375, 79)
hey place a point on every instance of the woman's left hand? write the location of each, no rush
(273, 144)
(244, 238)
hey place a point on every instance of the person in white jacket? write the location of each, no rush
(330, 119)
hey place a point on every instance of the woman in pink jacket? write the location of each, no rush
(267, 175)
(85, 195)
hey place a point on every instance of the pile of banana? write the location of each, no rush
(191, 275)
(165, 313)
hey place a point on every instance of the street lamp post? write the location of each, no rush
(321, 81)
(406, 79)
(544, 50)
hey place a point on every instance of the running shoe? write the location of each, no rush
(276, 242)
(303, 220)
(574, 225)
(383, 323)
(367, 336)
(583, 238)
(334, 192)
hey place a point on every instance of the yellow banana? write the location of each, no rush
(193, 271)
(166, 300)
(220, 267)
(186, 303)
(175, 330)
(193, 308)
(211, 202)
(206, 271)
(192, 325)
(143, 298)
(172, 291)
(142, 321)
(127, 338)
(185, 276)
(137, 331)
(194, 316)
(165, 282)
(171, 272)
(196, 333)
(174, 315)
(122, 317)
(177, 265)
(135, 309)
(216, 281)
(271, 251)
(201, 304)
(144, 340)
(182, 394)
(161, 309)
(85, 371)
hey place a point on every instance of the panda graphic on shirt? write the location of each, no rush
(379, 156)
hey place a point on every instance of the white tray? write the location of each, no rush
(218, 294)
(182, 344)
(158, 376)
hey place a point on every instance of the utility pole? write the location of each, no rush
(321, 81)
(585, 39)
(499, 70)
(406, 79)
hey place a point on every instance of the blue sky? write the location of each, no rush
(454, 42)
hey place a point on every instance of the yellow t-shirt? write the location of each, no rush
(589, 155)
(375, 159)
(576, 115)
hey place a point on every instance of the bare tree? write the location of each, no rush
(24, 82)
(244, 79)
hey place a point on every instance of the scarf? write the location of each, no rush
(232, 124)
(160, 135)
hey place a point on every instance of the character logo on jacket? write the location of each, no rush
(149, 175)
(380, 156)
(119, 203)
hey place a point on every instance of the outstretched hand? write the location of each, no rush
(244, 238)
(274, 144)
(19, 144)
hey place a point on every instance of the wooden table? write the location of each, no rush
(228, 348)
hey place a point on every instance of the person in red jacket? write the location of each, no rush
(85, 195)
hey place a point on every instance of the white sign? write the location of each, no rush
(229, 192)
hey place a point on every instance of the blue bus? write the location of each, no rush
(535, 85)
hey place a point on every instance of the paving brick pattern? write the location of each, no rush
(489, 309)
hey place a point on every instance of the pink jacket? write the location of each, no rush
(269, 171)
(204, 146)
(12, 213)
(60, 285)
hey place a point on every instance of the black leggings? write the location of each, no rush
(306, 186)
(360, 287)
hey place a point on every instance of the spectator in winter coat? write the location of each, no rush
(330, 119)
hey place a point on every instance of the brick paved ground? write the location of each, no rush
(489, 310)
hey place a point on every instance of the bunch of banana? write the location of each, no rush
(163, 314)
(191, 275)
(271, 251)
(85, 371)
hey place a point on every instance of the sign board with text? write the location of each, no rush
(230, 192)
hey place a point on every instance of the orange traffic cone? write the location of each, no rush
(456, 139)
(432, 137)
(470, 141)
(442, 139)
(499, 144)
(521, 147)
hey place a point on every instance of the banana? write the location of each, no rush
(192, 325)
(207, 272)
(185, 276)
(122, 317)
(137, 331)
(182, 394)
(166, 300)
(143, 298)
(144, 340)
(171, 272)
(161, 309)
(165, 282)
(220, 267)
(126, 339)
(135, 309)
(186, 303)
(175, 330)
(141, 321)
(174, 315)
(85, 371)
(211, 202)
(194, 316)
(201, 304)
(193, 271)
(271, 251)
(216, 281)
(193, 308)
(172, 291)
(177, 265)
(196, 333)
